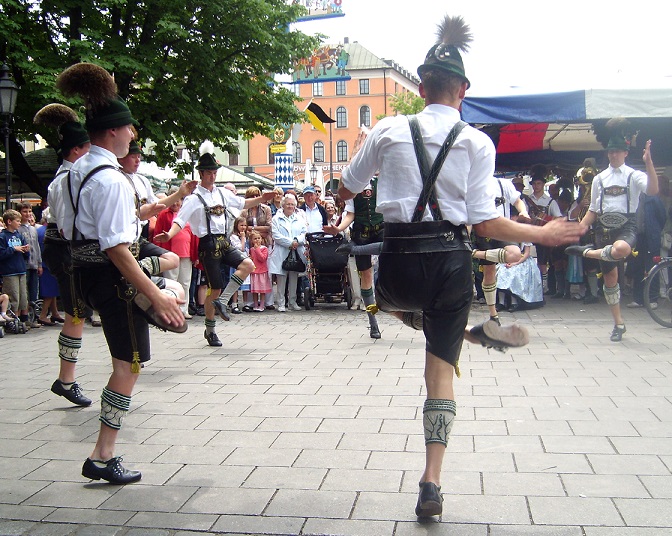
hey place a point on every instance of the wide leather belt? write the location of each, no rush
(425, 237)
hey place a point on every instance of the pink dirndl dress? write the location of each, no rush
(260, 281)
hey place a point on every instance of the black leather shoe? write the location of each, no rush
(345, 248)
(374, 331)
(200, 310)
(617, 333)
(492, 335)
(113, 472)
(74, 394)
(221, 309)
(213, 339)
(579, 251)
(430, 500)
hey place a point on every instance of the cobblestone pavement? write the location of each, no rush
(302, 424)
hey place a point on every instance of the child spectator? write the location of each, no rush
(14, 253)
(34, 263)
(4, 304)
(261, 283)
(239, 240)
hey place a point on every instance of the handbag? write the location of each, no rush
(293, 262)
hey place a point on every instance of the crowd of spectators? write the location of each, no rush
(268, 232)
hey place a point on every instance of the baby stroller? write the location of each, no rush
(13, 325)
(326, 271)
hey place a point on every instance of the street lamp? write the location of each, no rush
(313, 174)
(8, 93)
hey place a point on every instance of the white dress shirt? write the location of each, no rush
(107, 209)
(193, 212)
(462, 185)
(618, 177)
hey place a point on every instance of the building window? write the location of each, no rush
(233, 159)
(271, 156)
(341, 117)
(318, 152)
(364, 86)
(318, 89)
(365, 116)
(342, 151)
(296, 151)
(340, 87)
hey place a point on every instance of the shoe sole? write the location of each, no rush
(429, 509)
(146, 306)
(219, 309)
(512, 335)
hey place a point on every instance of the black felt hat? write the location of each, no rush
(207, 161)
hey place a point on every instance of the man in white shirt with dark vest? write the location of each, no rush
(425, 264)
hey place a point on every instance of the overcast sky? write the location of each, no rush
(521, 43)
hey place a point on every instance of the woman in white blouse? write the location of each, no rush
(289, 232)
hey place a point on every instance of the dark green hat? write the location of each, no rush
(445, 58)
(454, 36)
(207, 161)
(618, 143)
(134, 148)
(72, 134)
(115, 114)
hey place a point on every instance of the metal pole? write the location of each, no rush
(331, 158)
(8, 174)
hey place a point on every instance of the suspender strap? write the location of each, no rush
(429, 175)
(75, 205)
(207, 212)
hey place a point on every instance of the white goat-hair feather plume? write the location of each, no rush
(453, 31)
(206, 147)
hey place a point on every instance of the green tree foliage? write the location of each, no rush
(406, 103)
(189, 70)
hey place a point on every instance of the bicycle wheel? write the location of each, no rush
(658, 278)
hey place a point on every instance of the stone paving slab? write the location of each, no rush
(301, 424)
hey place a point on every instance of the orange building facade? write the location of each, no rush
(354, 104)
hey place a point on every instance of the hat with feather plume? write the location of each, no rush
(207, 160)
(454, 36)
(104, 107)
(621, 133)
(70, 131)
(538, 172)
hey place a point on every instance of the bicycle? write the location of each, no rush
(659, 277)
